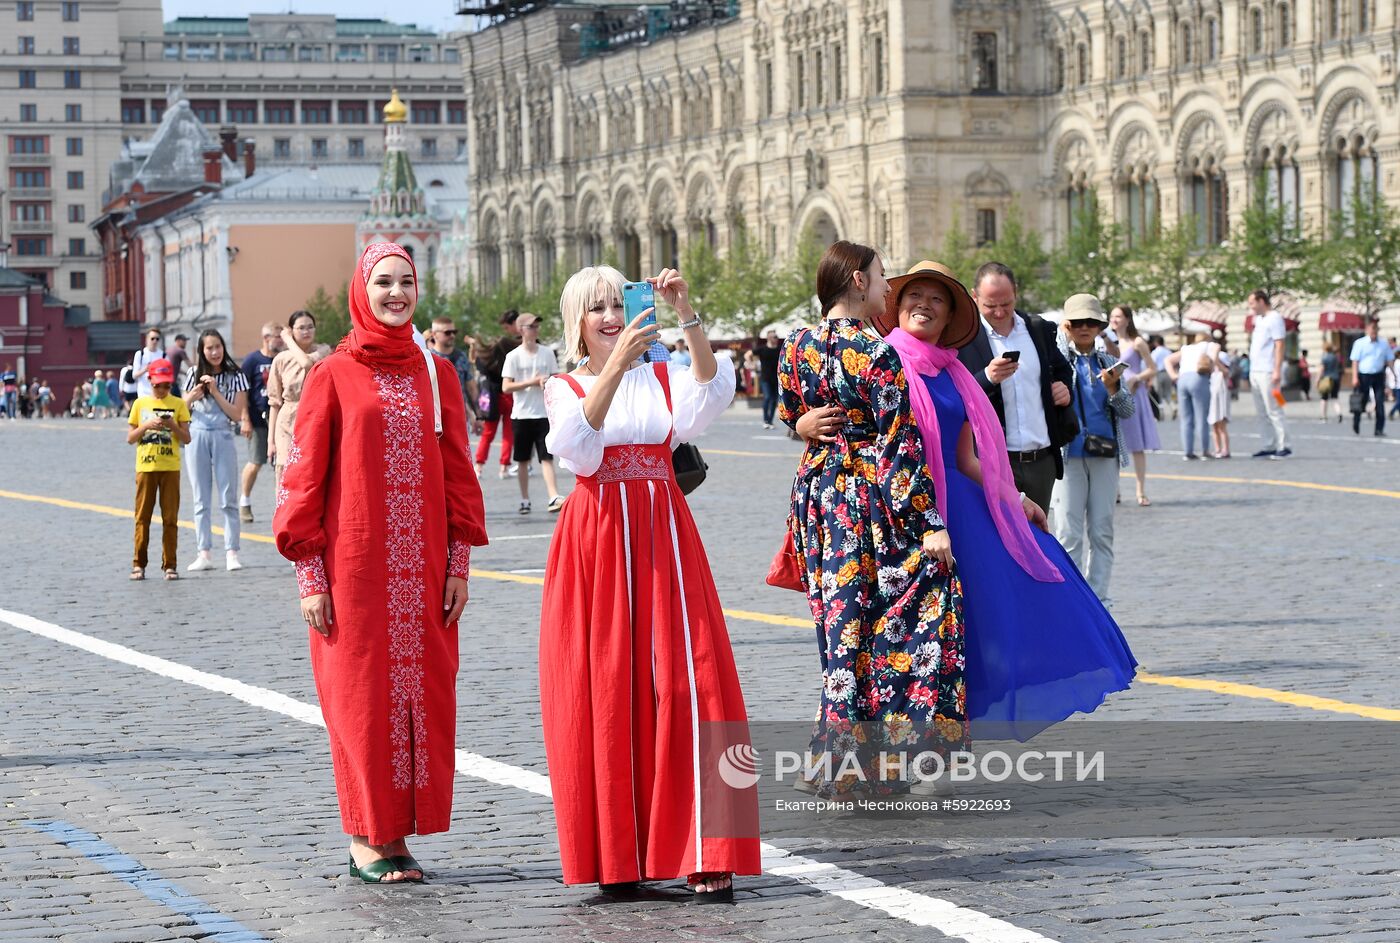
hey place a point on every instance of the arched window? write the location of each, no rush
(1082, 55)
(1285, 26)
(1060, 68)
(1144, 52)
(1206, 188)
(1121, 57)
(1356, 170)
(1332, 9)
(1363, 16)
(1138, 195)
(1186, 37)
(1212, 39)
(1256, 31)
(984, 62)
(1279, 183)
(1078, 200)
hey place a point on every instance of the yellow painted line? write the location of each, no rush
(1272, 694)
(1276, 483)
(1234, 688)
(792, 455)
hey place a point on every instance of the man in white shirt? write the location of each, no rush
(526, 370)
(1018, 363)
(141, 361)
(1266, 374)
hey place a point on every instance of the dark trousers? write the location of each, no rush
(1036, 479)
(149, 485)
(1369, 384)
(770, 400)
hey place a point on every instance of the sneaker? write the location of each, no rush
(202, 562)
(1380, 435)
(511, 470)
(245, 514)
(1282, 453)
(480, 470)
(1189, 457)
(231, 561)
(524, 507)
(1263, 453)
(768, 425)
(555, 503)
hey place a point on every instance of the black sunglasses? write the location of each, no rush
(450, 333)
(1085, 322)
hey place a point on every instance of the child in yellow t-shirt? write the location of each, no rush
(160, 424)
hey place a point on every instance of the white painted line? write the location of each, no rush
(918, 909)
(496, 539)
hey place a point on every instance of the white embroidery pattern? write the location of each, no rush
(311, 576)
(293, 456)
(403, 546)
(459, 558)
(627, 462)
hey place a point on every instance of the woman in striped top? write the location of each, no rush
(217, 393)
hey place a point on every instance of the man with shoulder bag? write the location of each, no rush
(1084, 499)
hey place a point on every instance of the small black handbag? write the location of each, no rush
(1357, 401)
(689, 466)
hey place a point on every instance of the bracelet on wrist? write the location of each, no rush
(693, 322)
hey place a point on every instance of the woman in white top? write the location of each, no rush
(637, 678)
(1220, 402)
(1190, 368)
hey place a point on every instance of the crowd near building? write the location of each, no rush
(636, 129)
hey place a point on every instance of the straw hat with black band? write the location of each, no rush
(963, 319)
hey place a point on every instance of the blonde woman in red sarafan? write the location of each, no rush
(639, 692)
(379, 508)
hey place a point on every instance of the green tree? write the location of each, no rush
(1018, 246)
(958, 252)
(1093, 259)
(1169, 271)
(1268, 251)
(1361, 261)
(332, 315)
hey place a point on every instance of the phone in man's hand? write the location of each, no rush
(636, 298)
(1011, 355)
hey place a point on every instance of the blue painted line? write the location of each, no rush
(220, 929)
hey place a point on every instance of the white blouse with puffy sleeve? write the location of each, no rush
(638, 413)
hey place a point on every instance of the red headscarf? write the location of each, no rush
(371, 341)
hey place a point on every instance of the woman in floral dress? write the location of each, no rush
(880, 577)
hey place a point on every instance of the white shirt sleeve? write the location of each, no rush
(510, 369)
(695, 405)
(570, 437)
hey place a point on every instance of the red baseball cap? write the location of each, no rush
(161, 371)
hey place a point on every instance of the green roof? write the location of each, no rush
(238, 26)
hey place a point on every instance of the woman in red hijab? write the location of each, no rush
(379, 508)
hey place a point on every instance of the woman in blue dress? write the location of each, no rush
(879, 578)
(1039, 644)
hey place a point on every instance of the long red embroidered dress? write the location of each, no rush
(638, 688)
(377, 510)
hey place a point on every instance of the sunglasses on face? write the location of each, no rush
(448, 333)
(1085, 322)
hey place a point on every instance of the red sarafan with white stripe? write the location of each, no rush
(638, 687)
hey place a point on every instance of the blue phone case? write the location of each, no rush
(636, 298)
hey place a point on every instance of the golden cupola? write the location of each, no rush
(395, 112)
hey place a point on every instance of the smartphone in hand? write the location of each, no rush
(636, 298)
(1012, 355)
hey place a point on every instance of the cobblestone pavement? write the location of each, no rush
(229, 806)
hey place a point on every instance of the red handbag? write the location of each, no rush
(788, 570)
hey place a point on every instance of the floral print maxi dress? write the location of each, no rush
(889, 620)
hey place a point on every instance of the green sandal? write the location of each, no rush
(406, 863)
(373, 873)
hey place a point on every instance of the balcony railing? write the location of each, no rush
(31, 160)
(31, 193)
(31, 225)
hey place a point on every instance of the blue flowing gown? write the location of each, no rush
(1036, 652)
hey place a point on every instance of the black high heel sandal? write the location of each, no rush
(725, 895)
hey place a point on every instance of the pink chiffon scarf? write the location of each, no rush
(922, 359)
